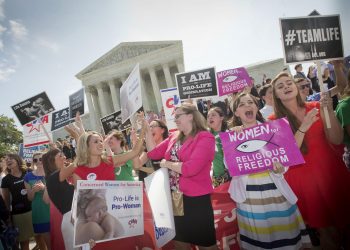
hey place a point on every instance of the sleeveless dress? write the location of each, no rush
(322, 183)
(40, 210)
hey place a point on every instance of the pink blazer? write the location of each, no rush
(196, 155)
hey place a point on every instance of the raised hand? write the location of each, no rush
(278, 168)
(309, 119)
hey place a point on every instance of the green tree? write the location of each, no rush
(10, 136)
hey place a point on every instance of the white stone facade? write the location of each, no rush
(159, 62)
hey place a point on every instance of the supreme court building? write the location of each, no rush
(159, 62)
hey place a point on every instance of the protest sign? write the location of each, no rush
(256, 148)
(37, 132)
(311, 38)
(114, 121)
(232, 80)
(158, 193)
(130, 94)
(195, 84)
(33, 108)
(170, 100)
(60, 119)
(27, 152)
(76, 103)
(116, 206)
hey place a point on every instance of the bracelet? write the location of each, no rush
(301, 131)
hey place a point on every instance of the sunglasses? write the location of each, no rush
(35, 160)
(305, 86)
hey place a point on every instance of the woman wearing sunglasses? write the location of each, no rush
(35, 185)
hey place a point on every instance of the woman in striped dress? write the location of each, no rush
(267, 214)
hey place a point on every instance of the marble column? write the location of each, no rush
(169, 81)
(115, 93)
(92, 112)
(101, 99)
(145, 101)
(155, 86)
(96, 105)
(180, 66)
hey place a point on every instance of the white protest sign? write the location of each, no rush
(107, 210)
(170, 100)
(130, 94)
(34, 132)
(158, 193)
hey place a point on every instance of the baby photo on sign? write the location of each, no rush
(93, 219)
(33, 108)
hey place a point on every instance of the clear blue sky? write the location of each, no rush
(44, 43)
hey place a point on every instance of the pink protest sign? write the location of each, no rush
(255, 149)
(232, 80)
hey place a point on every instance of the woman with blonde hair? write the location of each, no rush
(188, 154)
(322, 183)
(91, 162)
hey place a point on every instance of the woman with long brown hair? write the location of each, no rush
(322, 184)
(15, 197)
(60, 191)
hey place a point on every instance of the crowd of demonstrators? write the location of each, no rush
(157, 132)
(188, 154)
(216, 121)
(34, 183)
(267, 214)
(268, 203)
(319, 184)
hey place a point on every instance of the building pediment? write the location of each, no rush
(125, 51)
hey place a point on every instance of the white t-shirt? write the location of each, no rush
(266, 111)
